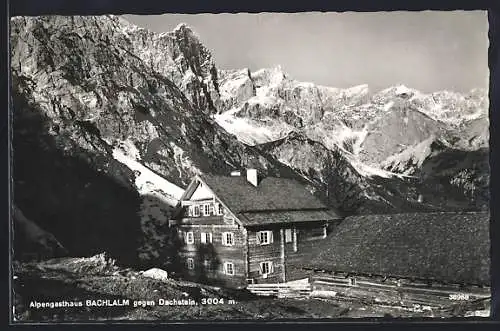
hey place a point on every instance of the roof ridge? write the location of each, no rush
(284, 210)
(424, 213)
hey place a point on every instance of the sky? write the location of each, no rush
(429, 50)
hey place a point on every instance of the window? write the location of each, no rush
(288, 235)
(189, 238)
(266, 267)
(264, 237)
(227, 239)
(352, 281)
(295, 248)
(229, 268)
(190, 263)
(206, 210)
(195, 211)
(208, 265)
(318, 233)
(220, 209)
(206, 237)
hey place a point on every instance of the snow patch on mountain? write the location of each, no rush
(410, 159)
(252, 132)
(366, 170)
(341, 136)
(147, 182)
(182, 160)
(388, 105)
(362, 89)
(269, 77)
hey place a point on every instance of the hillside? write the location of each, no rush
(98, 277)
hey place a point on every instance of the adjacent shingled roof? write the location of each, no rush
(452, 247)
(274, 200)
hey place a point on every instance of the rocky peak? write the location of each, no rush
(183, 28)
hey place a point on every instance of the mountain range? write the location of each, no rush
(111, 121)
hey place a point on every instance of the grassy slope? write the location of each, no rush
(76, 279)
(80, 279)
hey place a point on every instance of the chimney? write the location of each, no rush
(252, 176)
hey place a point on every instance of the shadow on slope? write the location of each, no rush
(85, 199)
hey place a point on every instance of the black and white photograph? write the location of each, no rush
(250, 167)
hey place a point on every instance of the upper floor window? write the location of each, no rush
(227, 238)
(264, 237)
(194, 211)
(288, 235)
(207, 208)
(219, 209)
(189, 238)
(229, 268)
(206, 237)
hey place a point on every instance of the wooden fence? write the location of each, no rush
(402, 295)
(281, 290)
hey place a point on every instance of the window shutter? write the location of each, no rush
(270, 234)
(258, 237)
(209, 236)
(271, 267)
(203, 238)
(260, 268)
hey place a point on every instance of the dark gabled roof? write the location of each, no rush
(451, 247)
(285, 200)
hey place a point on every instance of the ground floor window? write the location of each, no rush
(266, 267)
(229, 268)
(288, 235)
(190, 263)
(189, 238)
(208, 265)
(318, 233)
